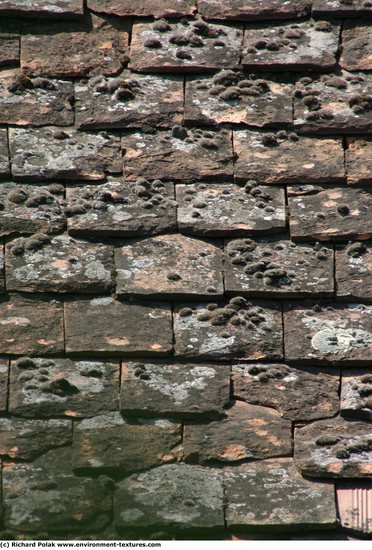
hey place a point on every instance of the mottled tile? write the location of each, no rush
(4, 384)
(144, 8)
(251, 10)
(356, 46)
(9, 50)
(341, 8)
(354, 271)
(356, 394)
(358, 157)
(42, 8)
(4, 154)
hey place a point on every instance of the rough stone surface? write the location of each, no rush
(356, 394)
(171, 496)
(111, 444)
(297, 393)
(354, 271)
(328, 334)
(31, 325)
(339, 102)
(62, 387)
(247, 432)
(44, 495)
(356, 47)
(334, 448)
(272, 494)
(4, 155)
(209, 209)
(329, 213)
(236, 97)
(42, 8)
(277, 268)
(358, 161)
(27, 209)
(270, 158)
(2, 282)
(4, 374)
(341, 8)
(291, 46)
(230, 329)
(131, 101)
(144, 8)
(354, 505)
(26, 439)
(169, 265)
(9, 50)
(174, 389)
(61, 264)
(179, 155)
(121, 209)
(252, 9)
(107, 326)
(51, 153)
(97, 46)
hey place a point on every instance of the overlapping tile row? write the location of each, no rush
(185, 269)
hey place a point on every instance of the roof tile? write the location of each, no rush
(356, 47)
(341, 8)
(354, 271)
(4, 155)
(358, 157)
(144, 8)
(9, 50)
(356, 392)
(42, 8)
(252, 9)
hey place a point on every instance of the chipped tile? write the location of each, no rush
(277, 268)
(358, 157)
(180, 155)
(291, 46)
(42, 8)
(46, 496)
(62, 387)
(27, 209)
(356, 47)
(119, 208)
(229, 330)
(185, 47)
(60, 264)
(354, 504)
(106, 326)
(144, 8)
(333, 102)
(341, 8)
(356, 394)
(272, 494)
(238, 98)
(9, 50)
(329, 213)
(175, 496)
(246, 432)
(52, 153)
(272, 159)
(4, 155)
(169, 266)
(329, 334)
(174, 390)
(111, 444)
(354, 271)
(31, 325)
(334, 448)
(296, 393)
(251, 10)
(221, 209)
(129, 101)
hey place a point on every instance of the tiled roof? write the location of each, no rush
(185, 269)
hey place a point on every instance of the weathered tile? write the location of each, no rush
(169, 266)
(121, 209)
(62, 387)
(328, 334)
(356, 47)
(354, 271)
(247, 432)
(37, 101)
(111, 444)
(31, 325)
(281, 158)
(2, 281)
(60, 264)
(27, 209)
(341, 8)
(46, 496)
(356, 394)
(229, 330)
(26, 439)
(291, 46)
(52, 153)
(334, 448)
(238, 97)
(277, 268)
(297, 393)
(333, 102)
(209, 209)
(354, 502)
(129, 101)
(144, 8)
(4, 155)
(9, 50)
(252, 9)
(107, 326)
(4, 383)
(329, 213)
(42, 8)
(358, 157)
(172, 496)
(180, 154)
(184, 46)
(272, 494)
(97, 46)
(175, 390)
